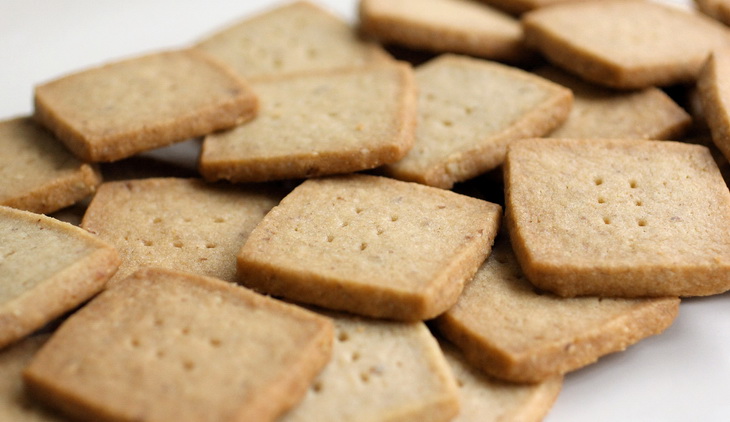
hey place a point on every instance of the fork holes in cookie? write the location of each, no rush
(641, 222)
(606, 220)
(601, 200)
(177, 244)
(633, 184)
(598, 181)
(363, 246)
(343, 336)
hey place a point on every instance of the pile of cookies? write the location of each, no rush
(514, 174)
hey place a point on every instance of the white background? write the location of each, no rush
(681, 375)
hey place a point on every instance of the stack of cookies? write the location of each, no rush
(434, 214)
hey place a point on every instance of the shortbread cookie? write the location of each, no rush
(380, 371)
(618, 217)
(15, 405)
(47, 268)
(182, 224)
(370, 245)
(486, 399)
(117, 110)
(319, 124)
(714, 92)
(469, 110)
(605, 113)
(38, 173)
(717, 9)
(296, 37)
(455, 26)
(625, 43)
(169, 346)
(508, 329)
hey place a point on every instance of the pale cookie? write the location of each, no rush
(625, 43)
(486, 399)
(47, 268)
(182, 224)
(605, 113)
(463, 130)
(509, 330)
(380, 371)
(117, 110)
(370, 245)
(15, 405)
(618, 217)
(39, 174)
(168, 346)
(295, 37)
(319, 124)
(717, 9)
(443, 26)
(714, 93)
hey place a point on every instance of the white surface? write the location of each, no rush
(681, 375)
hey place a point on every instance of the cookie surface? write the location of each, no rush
(295, 37)
(509, 330)
(318, 124)
(165, 345)
(444, 26)
(625, 43)
(39, 173)
(462, 131)
(182, 224)
(370, 245)
(618, 217)
(605, 113)
(380, 371)
(714, 92)
(48, 268)
(119, 109)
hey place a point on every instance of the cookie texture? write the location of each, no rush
(713, 88)
(39, 173)
(165, 345)
(47, 268)
(182, 224)
(600, 112)
(380, 371)
(618, 217)
(625, 44)
(119, 109)
(462, 131)
(319, 124)
(445, 26)
(370, 245)
(294, 37)
(514, 332)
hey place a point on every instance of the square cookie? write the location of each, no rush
(319, 124)
(168, 346)
(463, 130)
(625, 44)
(39, 174)
(713, 87)
(117, 110)
(47, 268)
(380, 371)
(370, 245)
(295, 37)
(182, 224)
(445, 26)
(618, 217)
(514, 332)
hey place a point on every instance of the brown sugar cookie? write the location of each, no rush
(182, 224)
(119, 109)
(39, 174)
(508, 329)
(605, 113)
(370, 245)
(380, 371)
(165, 345)
(487, 399)
(445, 26)
(295, 37)
(717, 9)
(625, 43)
(318, 124)
(462, 130)
(618, 217)
(47, 268)
(714, 92)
